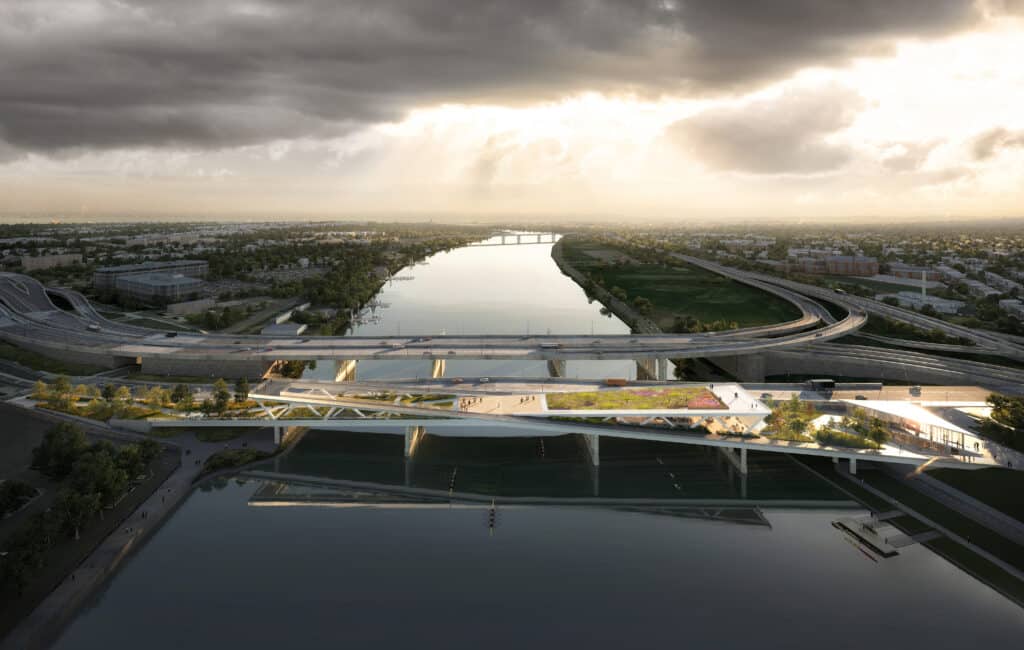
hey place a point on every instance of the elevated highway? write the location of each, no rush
(31, 319)
(985, 342)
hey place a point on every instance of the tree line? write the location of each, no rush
(94, 478)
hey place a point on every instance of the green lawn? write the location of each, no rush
(684, 290)
(642, 398)
(1003, 489)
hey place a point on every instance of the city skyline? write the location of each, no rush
(651, 111)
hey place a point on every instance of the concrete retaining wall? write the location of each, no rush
(213, 369)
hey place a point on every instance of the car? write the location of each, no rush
(484, 380)
(171, 335)
(458, 380)
(92, 327)
(859, 397)
(766, 395)
(451, 351)
(426, 353)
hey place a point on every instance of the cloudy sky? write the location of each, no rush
(636, 109)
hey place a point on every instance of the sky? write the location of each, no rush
(631, 110)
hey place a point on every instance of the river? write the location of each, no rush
(662, 545)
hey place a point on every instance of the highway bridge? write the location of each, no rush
(62, 324)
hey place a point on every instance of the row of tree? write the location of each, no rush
(119, 401)
(94, 477)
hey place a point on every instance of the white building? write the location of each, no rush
(914, 300)
(980, 289)
(999, 282)
(30, 263)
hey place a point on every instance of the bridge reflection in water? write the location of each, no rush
(345, 469)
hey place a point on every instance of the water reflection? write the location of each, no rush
(485, 290)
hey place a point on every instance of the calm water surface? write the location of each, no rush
(223, 573)
(309, 564)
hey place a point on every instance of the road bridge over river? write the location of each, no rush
(62, 324)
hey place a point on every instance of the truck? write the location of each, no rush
(550, 346)
(615, 381)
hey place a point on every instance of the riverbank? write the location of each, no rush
(638, 323)
(107, 546)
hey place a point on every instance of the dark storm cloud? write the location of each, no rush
(781, 135)
(205, 73)
(991, 142)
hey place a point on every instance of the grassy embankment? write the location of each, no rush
(36, 361)
(679, 289)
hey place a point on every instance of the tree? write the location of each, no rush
(109, 392)
(122, 400)
(643, 305)
(242, 390)
(149, 450)
(180, 392)
(76, 508)
(40, 391)
(221, 395)
(61, 393)
(60, 447)
(129, 458)
(877, 431)
(97, 472)
(155, 396)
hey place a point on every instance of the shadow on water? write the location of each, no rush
(557, 467)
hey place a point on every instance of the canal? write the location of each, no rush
(343, 542)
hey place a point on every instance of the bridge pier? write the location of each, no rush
(345, 370)
(652, 369)
(591, 442)
(556, 367)
(413, 437)
(853, 466)
(737, 460)
(277, 435)
(437, 370)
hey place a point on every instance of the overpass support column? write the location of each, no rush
(345, 370)
(737, 459)
(437, 371)
(556, 367)
(413, 436)
(646, 369)
(592, 443)
(853, 466)
(277, 435)
(662, 369)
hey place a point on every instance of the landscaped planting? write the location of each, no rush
(690, 397)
